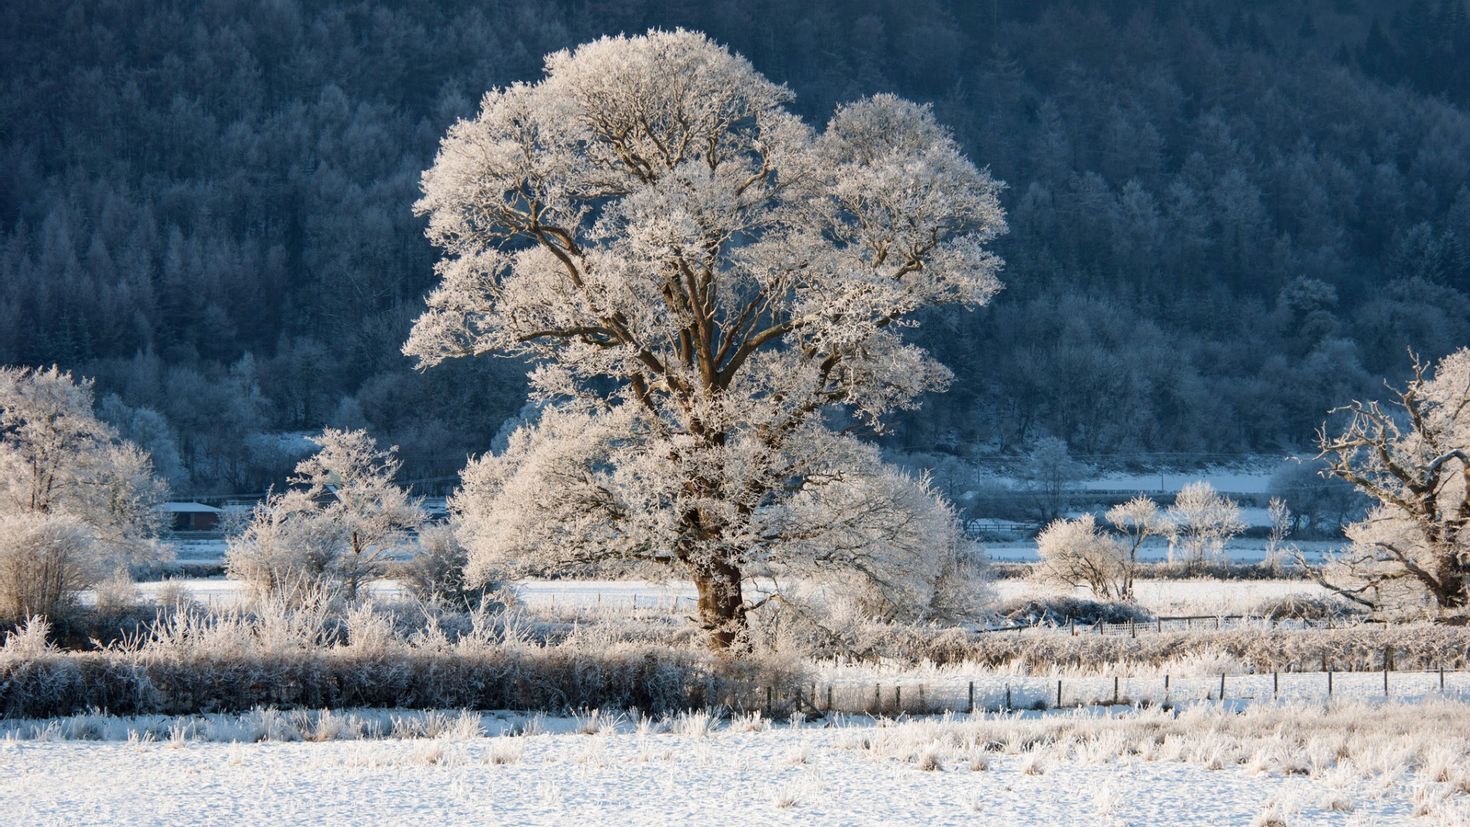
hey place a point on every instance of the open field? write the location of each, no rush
(1203, 596)
(1204, 766)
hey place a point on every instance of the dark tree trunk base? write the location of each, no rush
(722, 606)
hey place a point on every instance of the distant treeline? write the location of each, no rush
(1226, 218)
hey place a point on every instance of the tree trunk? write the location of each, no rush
(722, 605)
(1449, 588)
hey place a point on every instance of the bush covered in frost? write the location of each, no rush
(1060, 610)
(193, 661)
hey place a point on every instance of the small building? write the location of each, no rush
(192, 516)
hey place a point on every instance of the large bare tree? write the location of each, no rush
(1412, 455)
(713, 293)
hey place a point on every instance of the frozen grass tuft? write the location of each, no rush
(797, 791)
(503, 751)
(694, 723)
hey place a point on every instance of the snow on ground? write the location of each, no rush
(1248, 481)
(783, 775)
(1202, 596)
(1193, 597)
(219, 592)
(1240, 550)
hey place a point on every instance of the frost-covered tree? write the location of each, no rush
(1136, 520)
(1079, 552)
(1202, 522)
(76, 501)
(436, 571)
(1412, 455)
(335, 528)
(1051, 474)
(1281, 519)
(711, 291)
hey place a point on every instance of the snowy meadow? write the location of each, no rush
(1350, 763)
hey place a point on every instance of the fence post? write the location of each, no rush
(1008, 697)
(1059, 692)
(1132, 628)
(829, 697)
(1329, 683)
(878, 698)
(1441, 679)
(1217, 623)
(1222, 686)
(770, 701)
(1072, 622)
(1159, 625)
(1275, 684)
(971, 709)
(898, 700)
(1166, 687)
(1387, 665)
(1115, 690)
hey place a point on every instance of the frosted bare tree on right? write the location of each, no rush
(1412, 455)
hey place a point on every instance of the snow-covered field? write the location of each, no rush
(1240, 550)
(1201, 596)
(1228, 480)
(1204, 596)
(1090, 771)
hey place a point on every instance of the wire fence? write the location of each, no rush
(997, 694)
(1184, 623)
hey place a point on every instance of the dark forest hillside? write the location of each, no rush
(1225, 218)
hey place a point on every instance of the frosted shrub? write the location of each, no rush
(436, 571)
(174, 594)
(76, 501)
(370, 632)
(30, 640)
(116, 593)
(335, 529)
(1202, 522)
(1078, 552)
(45, 560)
